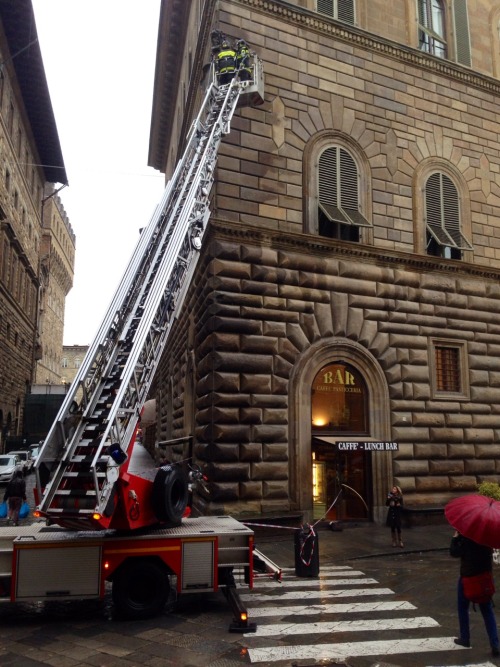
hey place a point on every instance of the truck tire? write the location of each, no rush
(170, 495)
(140, 589)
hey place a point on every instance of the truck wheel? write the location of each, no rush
(140, 589)
(170, 495)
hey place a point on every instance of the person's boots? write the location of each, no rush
(394, 543)
(401, 542)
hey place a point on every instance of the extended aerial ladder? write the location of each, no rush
(84, 479)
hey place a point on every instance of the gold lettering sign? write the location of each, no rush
(338, 399)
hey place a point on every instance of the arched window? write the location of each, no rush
(339, 214)
(339, 400)
(431, 27)
(443, 218)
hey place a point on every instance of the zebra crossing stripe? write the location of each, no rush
(338, 608)
(334, 571)
(315, 595)
(345, 650)
(312, 583)
(363, 625)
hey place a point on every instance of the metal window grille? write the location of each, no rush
(448, 376)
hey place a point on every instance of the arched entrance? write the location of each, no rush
(361, 414)
(341, 469)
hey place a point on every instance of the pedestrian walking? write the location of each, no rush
(15, 493)
(474, 559)
(395, 503)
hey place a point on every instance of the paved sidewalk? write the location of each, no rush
(352, 541)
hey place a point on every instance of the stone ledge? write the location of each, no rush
(422, 516)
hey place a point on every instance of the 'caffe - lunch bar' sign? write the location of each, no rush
(349, 445)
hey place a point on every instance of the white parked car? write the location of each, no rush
(9, 463)
(34, 449)
(25, 459)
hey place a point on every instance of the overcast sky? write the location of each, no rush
(99, 58)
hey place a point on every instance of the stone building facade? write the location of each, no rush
(30, 157)
(342, 329)
(71, 360)
(57, 265)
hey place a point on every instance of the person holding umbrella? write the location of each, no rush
(476, 520)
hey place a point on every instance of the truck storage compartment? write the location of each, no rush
(46, 571)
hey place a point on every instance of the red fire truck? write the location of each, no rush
(111, 512)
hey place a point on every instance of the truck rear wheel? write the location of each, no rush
(170, 495)
(140, 589)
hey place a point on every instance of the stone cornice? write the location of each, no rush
(355, 37)
(324, 248)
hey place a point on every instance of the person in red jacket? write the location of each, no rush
(15, 493)
(474, 559)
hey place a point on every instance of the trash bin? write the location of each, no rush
(306, 552)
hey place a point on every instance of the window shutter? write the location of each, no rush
(462, 37)
(346, 11)
(442, 208)
(343, 10)
(329, 186)
(423, 15)
(348, 181)
(326, 7)
(338, 187)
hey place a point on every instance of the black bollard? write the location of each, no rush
(306, 552)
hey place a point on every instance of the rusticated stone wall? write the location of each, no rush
(267, 310)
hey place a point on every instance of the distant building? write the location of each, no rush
(30, 157)
(56, 279)
(71, 360)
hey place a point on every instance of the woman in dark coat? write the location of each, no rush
(395, 502)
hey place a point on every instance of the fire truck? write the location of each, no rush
(110, 514)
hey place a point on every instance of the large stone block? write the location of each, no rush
(489, 451)
(479, 435)
(411, 434)
(430, 450)
(408, 467)
(256, 384)
(219, 382)
(275, 416)
(250, 490)
(446, 467)
(432, 484)
(251, 451)
(222, 492)
(479, 466)
(251, 416)
(269, 470)
(275, 452)
(271, 490)
(447, 435)
(229, 472)
(429, 419)
(269, 433)
(273, 400)
(461, 451)
(463, 484)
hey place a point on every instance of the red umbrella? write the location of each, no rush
(476, 517)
